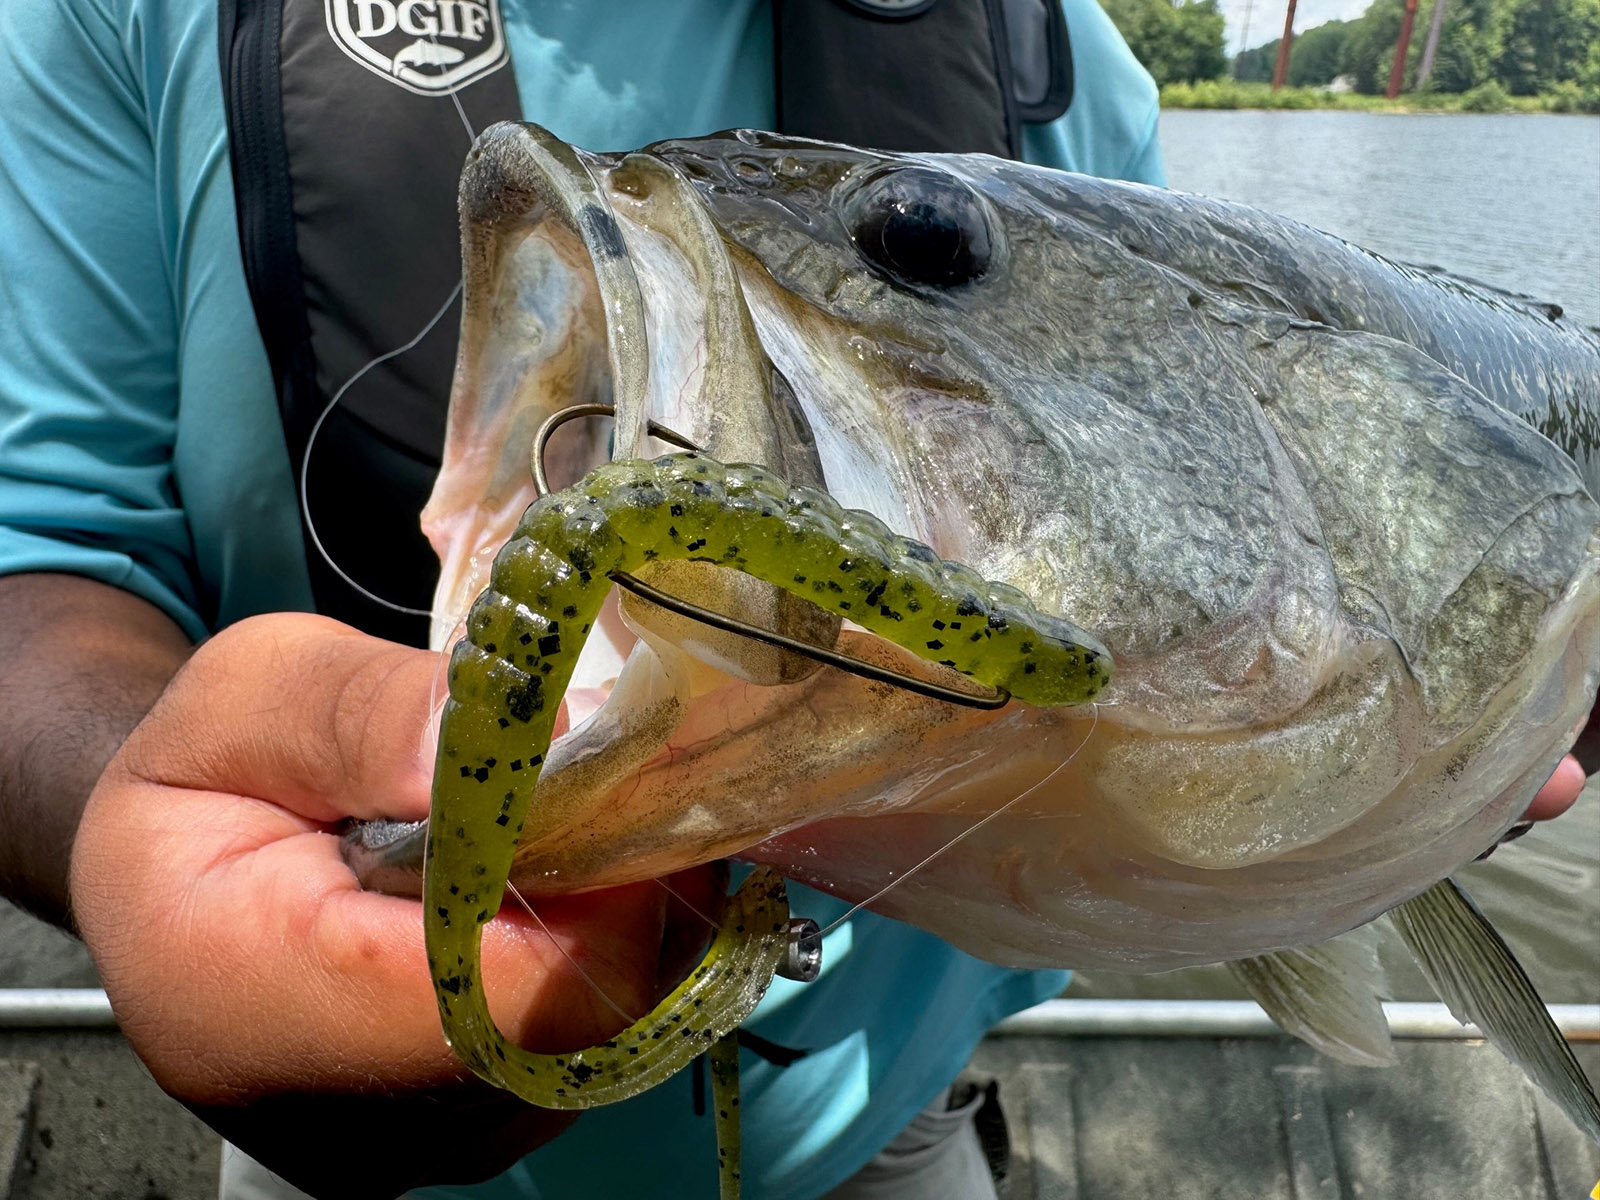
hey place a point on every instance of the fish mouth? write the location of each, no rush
(649, 320)
(602, 279)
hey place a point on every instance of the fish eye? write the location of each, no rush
(920, 226)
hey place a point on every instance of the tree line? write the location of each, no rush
(1524, 47)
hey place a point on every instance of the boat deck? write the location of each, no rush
(1092, 1115)
(1267, 1118)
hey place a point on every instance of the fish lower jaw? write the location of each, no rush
(684, 763)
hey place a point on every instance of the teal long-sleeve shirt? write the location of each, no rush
(140, 445)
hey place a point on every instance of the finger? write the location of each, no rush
(1559, 794)
(293, 979)
(298, 710)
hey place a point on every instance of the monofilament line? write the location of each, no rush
(678, 896)
(964, 834)
(316, 428)
(556, 942)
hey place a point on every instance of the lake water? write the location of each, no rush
(1515, 201)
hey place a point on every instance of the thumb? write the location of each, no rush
(301, 711)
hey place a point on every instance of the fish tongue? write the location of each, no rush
(733, 404)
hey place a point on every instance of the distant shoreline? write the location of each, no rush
(1488, 98)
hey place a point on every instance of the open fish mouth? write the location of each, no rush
(1354, 605)
(607, 283)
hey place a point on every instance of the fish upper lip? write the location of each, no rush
(522, 175)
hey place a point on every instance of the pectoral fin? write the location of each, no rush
(1327, 995)
(1478, 977)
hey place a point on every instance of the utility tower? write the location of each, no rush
(1431, 47)
(1397, 74)
(1244, 36)
(1281, 70)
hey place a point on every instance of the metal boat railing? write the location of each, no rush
(1245, 1018)
(88, 1008)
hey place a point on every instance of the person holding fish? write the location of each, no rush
(231, 287)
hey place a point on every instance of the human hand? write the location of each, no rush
(260, 984)
(1560, 793)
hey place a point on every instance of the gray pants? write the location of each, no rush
(936, 1157)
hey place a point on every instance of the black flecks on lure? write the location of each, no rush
(544, 597)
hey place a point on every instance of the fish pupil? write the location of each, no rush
(921, 227)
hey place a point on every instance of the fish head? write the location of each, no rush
(1352, 601)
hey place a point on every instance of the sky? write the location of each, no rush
(1266, 18)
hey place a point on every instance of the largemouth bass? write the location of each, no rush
(1330, 515)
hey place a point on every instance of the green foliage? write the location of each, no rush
(1230, 93)
(1176, 43)
(1569, 97)
(1256, 64)
(1472, 44)
(1369, 48)
(1315, 58)
(1527, 47)
(1570, 45)
(1530, 55)
(1486, 98)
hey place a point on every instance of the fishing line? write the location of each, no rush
(587, 978)
(678, 896)
(438, 691)
(963, 835)
(472, 134)
(316, 428)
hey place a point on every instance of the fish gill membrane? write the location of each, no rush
(1303, 495)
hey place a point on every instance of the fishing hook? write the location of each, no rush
(717, 620)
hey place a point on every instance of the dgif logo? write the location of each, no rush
(427, 46)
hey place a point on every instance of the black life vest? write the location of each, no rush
(346, 147)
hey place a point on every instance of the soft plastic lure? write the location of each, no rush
(508, 674)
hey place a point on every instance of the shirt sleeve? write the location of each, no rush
(1110, 129)
(88, 341)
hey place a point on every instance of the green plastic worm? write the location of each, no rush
(724, 1059)
(508, 674)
